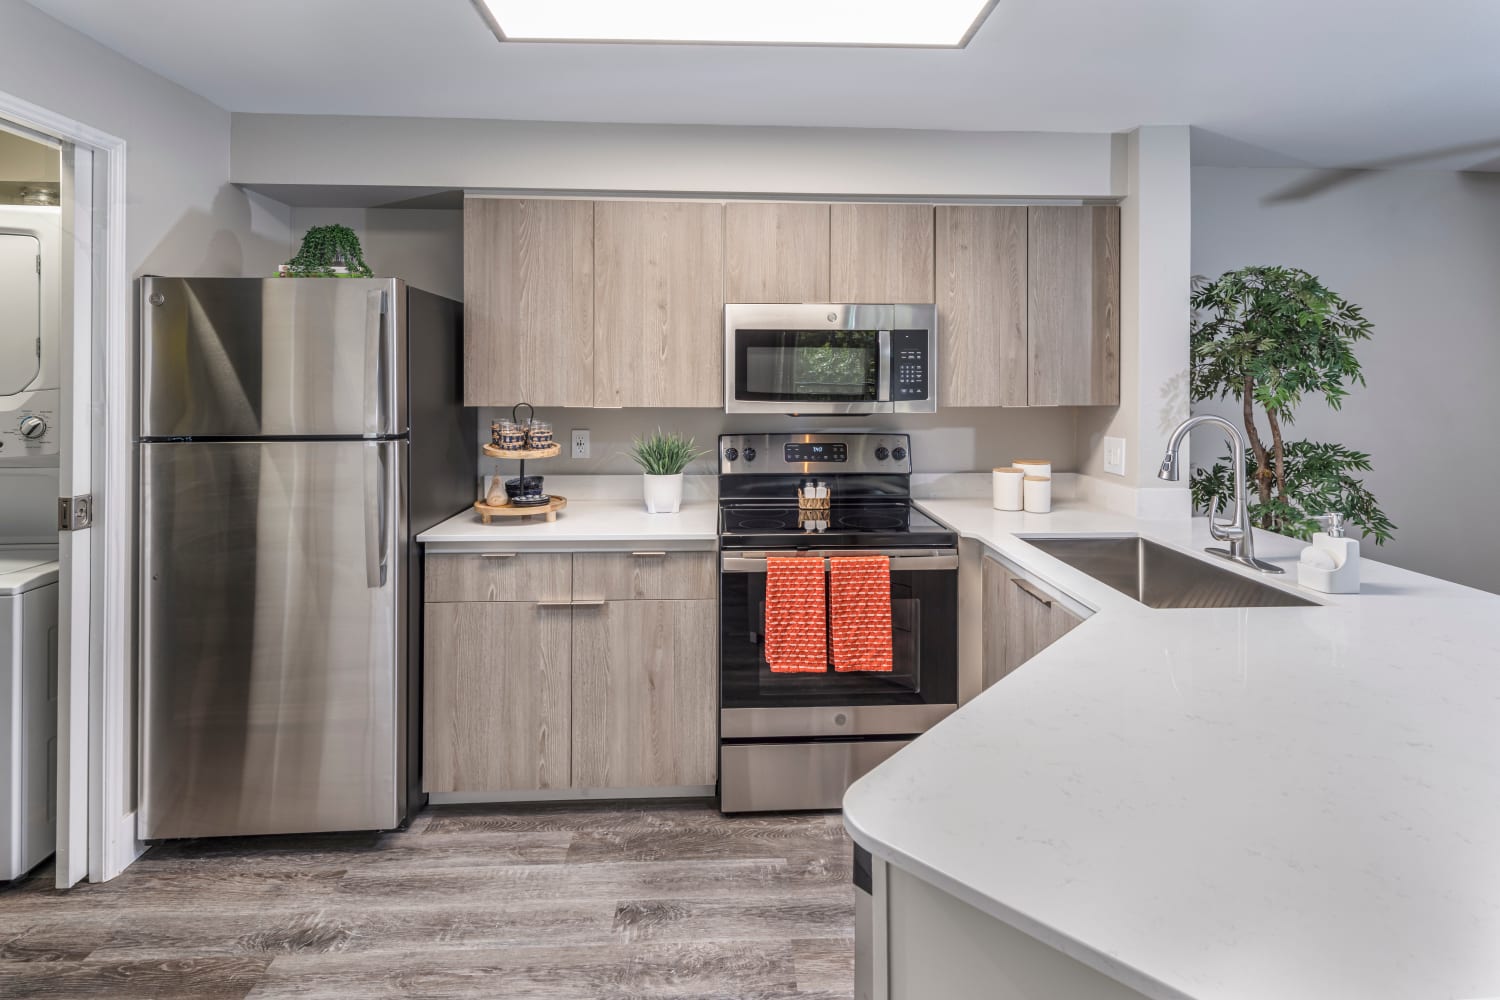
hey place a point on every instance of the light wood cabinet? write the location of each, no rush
(1020, 620)
(499, 576)
(658, 303)
(497, 701)
(555, 670)
(644, 575)
(528, 302)
(1073, 305)
(775, 252)
(981, 299)
(644, 694)
(881, 253)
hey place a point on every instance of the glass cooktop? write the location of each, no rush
(863, 524)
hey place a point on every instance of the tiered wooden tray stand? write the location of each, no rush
(547, 511)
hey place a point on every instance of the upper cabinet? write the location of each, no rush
(775, 252)
(881, 253)
(658, 303)
(528, 302)
(1073, 305)
(981, 300)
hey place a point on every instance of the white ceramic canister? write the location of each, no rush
(1034, 466)
(1038, 494)
(1007, 487)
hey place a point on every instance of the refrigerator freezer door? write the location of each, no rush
(273, 357)
(273, 637)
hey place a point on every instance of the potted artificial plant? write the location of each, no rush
(662, 456)
(1267, 337)
(328, 252)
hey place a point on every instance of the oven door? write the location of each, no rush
(920, 690)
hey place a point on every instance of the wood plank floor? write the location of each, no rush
(592, 902)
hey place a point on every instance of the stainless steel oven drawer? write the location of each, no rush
(863, 720)
(777, 777)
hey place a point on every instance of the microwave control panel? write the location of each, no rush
(911, 371)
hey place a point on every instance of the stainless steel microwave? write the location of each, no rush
(821, 358)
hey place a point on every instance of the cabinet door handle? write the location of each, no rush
(1032, 592)
(497, 555)
(586, 604)
(649, 555)
(554, 604)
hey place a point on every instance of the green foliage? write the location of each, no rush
(1319, 480)
(1279, 330)
(664, 453)
(327, 247)
(1270, 337)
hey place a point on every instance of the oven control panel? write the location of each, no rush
(792, 454)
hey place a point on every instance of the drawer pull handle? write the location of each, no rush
(649, 555)
(1034, 593)
(587, 604)
(554, 604)
(497, 555)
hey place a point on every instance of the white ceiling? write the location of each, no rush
(1322, 82)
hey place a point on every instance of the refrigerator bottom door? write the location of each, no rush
(273, 646)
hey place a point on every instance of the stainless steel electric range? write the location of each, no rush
(798, 740)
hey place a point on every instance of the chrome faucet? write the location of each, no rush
(1237, 533)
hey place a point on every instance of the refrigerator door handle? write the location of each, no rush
(376, 310)
(375, 516)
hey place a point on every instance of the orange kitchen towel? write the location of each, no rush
(796, 615)
(860, 588)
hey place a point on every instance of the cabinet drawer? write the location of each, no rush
(644, 575)
(499, 576)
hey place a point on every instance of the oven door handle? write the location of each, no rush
(899, 563)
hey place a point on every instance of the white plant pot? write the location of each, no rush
(663, 493)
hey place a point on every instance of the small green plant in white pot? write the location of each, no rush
(662, 456)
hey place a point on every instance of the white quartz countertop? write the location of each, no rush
(1223, 804)
(605, 523)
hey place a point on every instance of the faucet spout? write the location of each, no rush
(1237, 531)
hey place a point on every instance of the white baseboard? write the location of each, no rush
(570, 795)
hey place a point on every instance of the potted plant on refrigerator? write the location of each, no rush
(662, 456)
(328, 252)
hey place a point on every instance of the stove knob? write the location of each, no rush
(32, 427)
(730, 454)
(882, 453)
(899, 454)
(749, 454)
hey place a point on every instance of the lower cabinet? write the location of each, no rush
(616, 687)
(644, 694)
(1020, 620)
(498, 707)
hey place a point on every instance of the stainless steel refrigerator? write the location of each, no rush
(295, 435)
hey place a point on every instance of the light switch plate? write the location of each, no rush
(580, 441)
(1114, 456)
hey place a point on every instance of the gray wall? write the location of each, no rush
(951, 440)
(1420, 252)
(183, 217)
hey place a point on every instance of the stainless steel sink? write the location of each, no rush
(1160, 577)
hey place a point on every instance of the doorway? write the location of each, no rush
(65, 509)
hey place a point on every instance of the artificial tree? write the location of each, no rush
(325, 248)
(1268, 337)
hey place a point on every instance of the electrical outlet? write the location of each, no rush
(580, 441)
(1114, 456)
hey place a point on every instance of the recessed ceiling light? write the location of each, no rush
(901, 23)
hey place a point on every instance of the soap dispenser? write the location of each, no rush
(1331, 563)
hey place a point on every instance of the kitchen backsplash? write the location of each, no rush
(952, 440)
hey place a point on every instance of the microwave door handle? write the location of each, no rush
(883, 373)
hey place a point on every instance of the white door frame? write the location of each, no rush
(98, 818)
